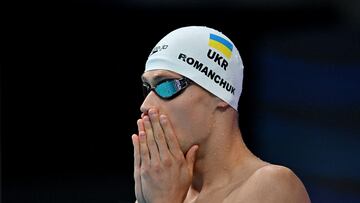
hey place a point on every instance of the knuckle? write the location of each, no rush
(144, 171)
(144, 174)
(156, 168)
(167, 161)
(179, 159)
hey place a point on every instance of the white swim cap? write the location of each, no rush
(204, 55)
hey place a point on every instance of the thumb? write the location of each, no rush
(191, 156)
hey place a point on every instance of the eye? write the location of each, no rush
(146, 88)
(146, 85)
(166, 89)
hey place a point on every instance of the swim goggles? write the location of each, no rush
(168, 88)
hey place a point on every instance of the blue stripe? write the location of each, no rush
(222, 41)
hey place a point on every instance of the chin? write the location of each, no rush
(185, 148)
(184, 143)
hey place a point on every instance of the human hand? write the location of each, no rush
(162, 172)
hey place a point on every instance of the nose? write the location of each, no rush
(148, 103)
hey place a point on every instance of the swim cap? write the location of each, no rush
(204, 55)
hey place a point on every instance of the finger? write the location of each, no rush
(140, 125)
(171, 139)
(191, 157)
(137, 178)
(144, 152)
(154, 152)
(135, 141)
(158, 134)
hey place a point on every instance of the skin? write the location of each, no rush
(190, 149)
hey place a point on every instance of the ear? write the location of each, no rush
(221, 104)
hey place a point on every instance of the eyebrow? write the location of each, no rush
(156, 79)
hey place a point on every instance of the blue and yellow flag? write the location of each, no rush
(221, 44)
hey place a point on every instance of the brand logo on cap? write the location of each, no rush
(158, 48)
(221, 44)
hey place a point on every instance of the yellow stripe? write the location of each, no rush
(220, 47)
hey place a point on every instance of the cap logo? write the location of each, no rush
(221, 44)
(158, 48)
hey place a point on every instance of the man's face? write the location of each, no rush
(188, 112)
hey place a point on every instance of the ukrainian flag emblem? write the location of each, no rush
(221, 44)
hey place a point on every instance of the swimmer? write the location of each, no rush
(189, 146)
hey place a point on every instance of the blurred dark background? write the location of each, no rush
(70, 91)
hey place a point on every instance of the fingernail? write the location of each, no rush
(146, 118)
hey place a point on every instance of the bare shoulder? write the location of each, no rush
(271, 183)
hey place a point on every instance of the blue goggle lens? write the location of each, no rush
(167, 89)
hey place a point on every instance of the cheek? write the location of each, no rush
(182, 124)
(189, 118)
(188, 126)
